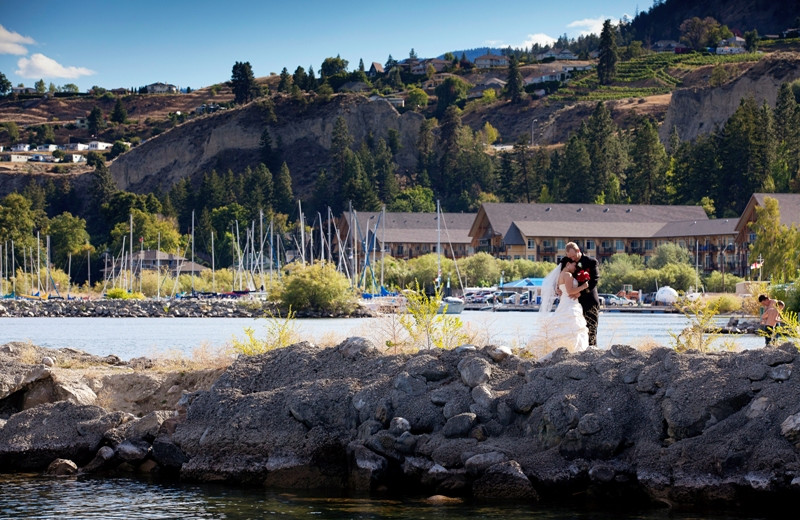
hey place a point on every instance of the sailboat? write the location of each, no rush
(449, 304)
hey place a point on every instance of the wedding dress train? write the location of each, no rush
(566, 327)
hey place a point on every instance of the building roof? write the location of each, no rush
(698, 228)
(416, 227)
(788, 206)
(606, 218)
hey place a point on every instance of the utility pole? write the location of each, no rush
(533, 134)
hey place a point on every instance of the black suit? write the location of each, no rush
(588, 298)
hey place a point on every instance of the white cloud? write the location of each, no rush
(14, 43)
(40, 66)
(590, 25)
(542, 39)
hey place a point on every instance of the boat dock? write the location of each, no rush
(634, 309)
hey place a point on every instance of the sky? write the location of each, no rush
(115, 44)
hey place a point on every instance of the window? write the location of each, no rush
(619, 245)
(546, 243)
(399, 249)
(648, 245)
(517, 257)
(635, 244)
(589, 245)
(532, 258)
(605, 244)
(531, 243)
(751, 237)
(560, 244)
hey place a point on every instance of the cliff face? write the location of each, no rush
(699, 111)
(231, 139)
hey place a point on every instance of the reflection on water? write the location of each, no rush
(34, 497)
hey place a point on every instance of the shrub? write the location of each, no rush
(727, 303)
(279, 333)
(714, 282)
(318, 287)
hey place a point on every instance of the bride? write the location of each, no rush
(566, 327)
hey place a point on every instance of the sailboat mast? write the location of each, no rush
(130, 264)
(192, 251)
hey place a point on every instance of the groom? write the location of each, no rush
(588, 298)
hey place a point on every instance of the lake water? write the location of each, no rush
(134, 337)
(37, 497)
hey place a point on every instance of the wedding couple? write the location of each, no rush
(574, 281)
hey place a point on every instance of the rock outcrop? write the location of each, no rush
(690, 430)
(304, 136)
(699, 111)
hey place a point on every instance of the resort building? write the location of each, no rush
(789, 208)
(407, 235)
(152, 260)
(539, 232)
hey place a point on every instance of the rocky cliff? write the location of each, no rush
(699, 111)
(689, 430)
(231, 139)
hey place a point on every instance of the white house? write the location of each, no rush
(17, 158)
(75, 158)
(491, 60)
(76, 147)
(422, 67)
(41, 157)
(82, 122)
(731, 50)
(161, 88)
(47, 148)
(99, 145)
(19, 147)
(23, 90)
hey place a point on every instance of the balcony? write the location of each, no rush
(545, 250)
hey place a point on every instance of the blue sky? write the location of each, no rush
(194, 44)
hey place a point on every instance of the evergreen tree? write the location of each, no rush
(324, 195)
(211, 192)
(523, 183)
(515, 89)
(300, 78)
(507, 177)
(607, 154)
(787, 136)
(356, 187)
(312, 79)
(386, 173)
(575, 170)
(95, 121)
(284, 195)
(243, 83)
(607, 64)
(119, 115)
(285, 83)
(449, 130)
(647, 171)
(341, 140)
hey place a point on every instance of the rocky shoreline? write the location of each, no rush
(174, 308)
(689, 430)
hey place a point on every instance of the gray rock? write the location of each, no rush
(398, 426)
(459, 425)
(61, 467)
(479, 463)
(134, 451)
(498, 353)
(505, 480)
(474, 371)
(351, 348)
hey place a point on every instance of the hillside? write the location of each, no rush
(663, 19)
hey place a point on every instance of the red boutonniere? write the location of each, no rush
(582, 276)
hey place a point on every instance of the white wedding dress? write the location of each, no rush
(566, 327)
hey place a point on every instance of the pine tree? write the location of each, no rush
(514, 86)
(284, 195)
(119, 115)
(243, 83)
(647, 172)
(341, 140)
(607, 64)
(285, 83)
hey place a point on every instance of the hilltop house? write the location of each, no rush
(488, 61)
(421, 68)
(20, 147)
(161, 88)
(375, 69)
(495, 84)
